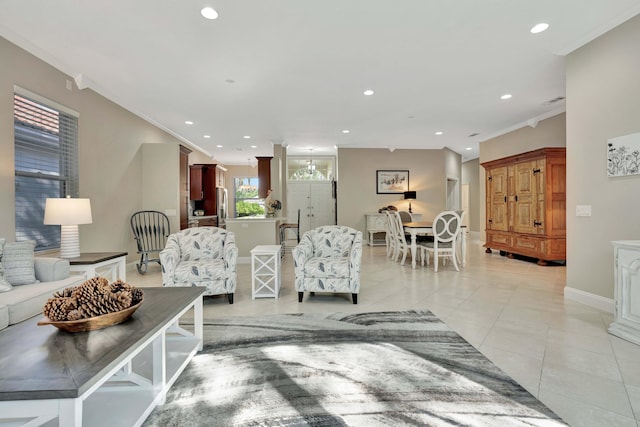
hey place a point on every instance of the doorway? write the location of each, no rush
(453, 194)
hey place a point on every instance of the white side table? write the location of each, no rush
(112, 263)
(265, 271)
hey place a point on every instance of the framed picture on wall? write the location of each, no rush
(623, 155)
(392, 181)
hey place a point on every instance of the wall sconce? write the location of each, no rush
(410, 195)
(68, 213)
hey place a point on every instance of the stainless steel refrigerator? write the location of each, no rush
(222, 206)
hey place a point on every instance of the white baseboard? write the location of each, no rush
(592, 300)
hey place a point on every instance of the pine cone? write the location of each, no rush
(58, 308)
(88, 290)
(64, 293)
(74, 315)
(136, 296)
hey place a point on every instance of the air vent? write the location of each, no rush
(556, 99)
(474, 134)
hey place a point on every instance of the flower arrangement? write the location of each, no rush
(276, 205)
(271, 205)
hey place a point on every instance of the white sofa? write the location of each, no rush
(25, 301)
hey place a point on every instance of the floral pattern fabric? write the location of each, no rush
(328, 259)
(201, 256)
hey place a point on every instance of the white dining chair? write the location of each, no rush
(446, 229)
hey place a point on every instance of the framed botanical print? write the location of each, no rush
(392, 181)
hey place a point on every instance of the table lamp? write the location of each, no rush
(68, 213)
(410, 195)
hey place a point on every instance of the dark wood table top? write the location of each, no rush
(418, 224)
(43, 362)
(95, 257)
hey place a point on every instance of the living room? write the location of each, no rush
(602, 103)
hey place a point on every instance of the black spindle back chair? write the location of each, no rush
(150, 230)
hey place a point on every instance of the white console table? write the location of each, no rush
(626, 273)
(376, 223)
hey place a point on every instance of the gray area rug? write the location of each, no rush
(368, 369)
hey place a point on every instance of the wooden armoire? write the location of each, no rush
(526, 205)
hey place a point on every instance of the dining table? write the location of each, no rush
(415, 228)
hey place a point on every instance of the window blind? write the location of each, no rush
(46, 165)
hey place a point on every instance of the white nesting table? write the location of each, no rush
(112, 265)
(265, 271)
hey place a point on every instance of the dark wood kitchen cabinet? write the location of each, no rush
(204, 179)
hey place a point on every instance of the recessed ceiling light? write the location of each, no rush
(439, 132)
(506, 96)
(247, 137)
(188, 122)
(253, 146)
(368, 92)
(538, 28)
(207, 136)
(346, 131)
(468, 148)
(209, 13)
(218, 146)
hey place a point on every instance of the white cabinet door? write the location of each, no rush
(315, 201)
(626, 322)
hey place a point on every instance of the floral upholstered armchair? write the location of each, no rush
(201, 256)
(328, 259)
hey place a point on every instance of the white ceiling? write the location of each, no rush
(294, 71)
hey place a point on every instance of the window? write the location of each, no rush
(246, 194)
(46, 163)
(310, 168)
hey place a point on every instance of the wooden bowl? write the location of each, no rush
(92, 323)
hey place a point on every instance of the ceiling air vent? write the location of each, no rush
(556, 99)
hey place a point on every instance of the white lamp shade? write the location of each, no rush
(67, 211)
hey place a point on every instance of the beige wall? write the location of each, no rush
(161, 180)
(603, 101)
(110, 151)
(548, 133)
(356, 175)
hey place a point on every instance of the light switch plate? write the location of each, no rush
(583, 210)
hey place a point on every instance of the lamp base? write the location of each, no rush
(69, 241)
(410, 211)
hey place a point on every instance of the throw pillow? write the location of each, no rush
(4, 285)
(18, 262)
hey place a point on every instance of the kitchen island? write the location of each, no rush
(252, 231)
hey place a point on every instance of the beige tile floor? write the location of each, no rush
(513, 311)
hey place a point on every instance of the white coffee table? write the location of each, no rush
(112, 376)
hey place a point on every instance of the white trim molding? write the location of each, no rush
(586, 298)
